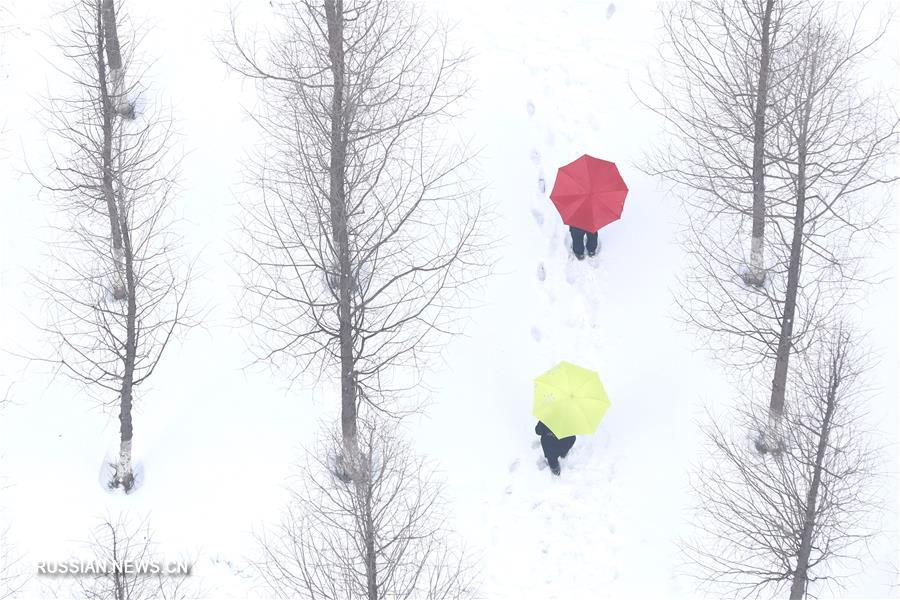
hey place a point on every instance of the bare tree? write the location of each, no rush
(93, 29)
(110, 80)
(834, 149)
(129, 567)
(110, 346)
(380, 537)
(772, 522)
(365, 234)
(720, 77)
(819, 227)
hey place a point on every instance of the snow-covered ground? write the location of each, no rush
(216, 442)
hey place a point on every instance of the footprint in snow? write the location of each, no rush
(529, 106)
(535, 156)
(536, 334)
(514, 465)
(542, 184)
(538, 216)
(610, 10)
(541, 272)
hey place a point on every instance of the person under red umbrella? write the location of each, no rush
(589, 193)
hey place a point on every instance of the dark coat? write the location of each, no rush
(553, 447)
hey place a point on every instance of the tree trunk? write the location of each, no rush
(785, 339)
(119, 583)
(124, 474)
(118, 576)
(800, 577)
(334, 11)
(757, 273)
(119, 288)
(371, 557)
(114, 59)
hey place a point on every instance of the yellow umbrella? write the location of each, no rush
(570, 400)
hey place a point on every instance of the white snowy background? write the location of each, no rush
(215, 443)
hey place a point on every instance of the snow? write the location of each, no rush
(215, 440)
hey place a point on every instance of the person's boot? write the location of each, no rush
(579, 256)
(554, 466)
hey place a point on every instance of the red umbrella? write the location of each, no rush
(589, 193)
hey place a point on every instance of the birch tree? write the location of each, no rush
(366, 234)
(110, 170)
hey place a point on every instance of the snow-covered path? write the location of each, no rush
(610, 526)
(617, 504)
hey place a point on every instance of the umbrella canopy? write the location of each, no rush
(570, 400)
(589, 193)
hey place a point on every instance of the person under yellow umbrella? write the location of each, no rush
(568, 400)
